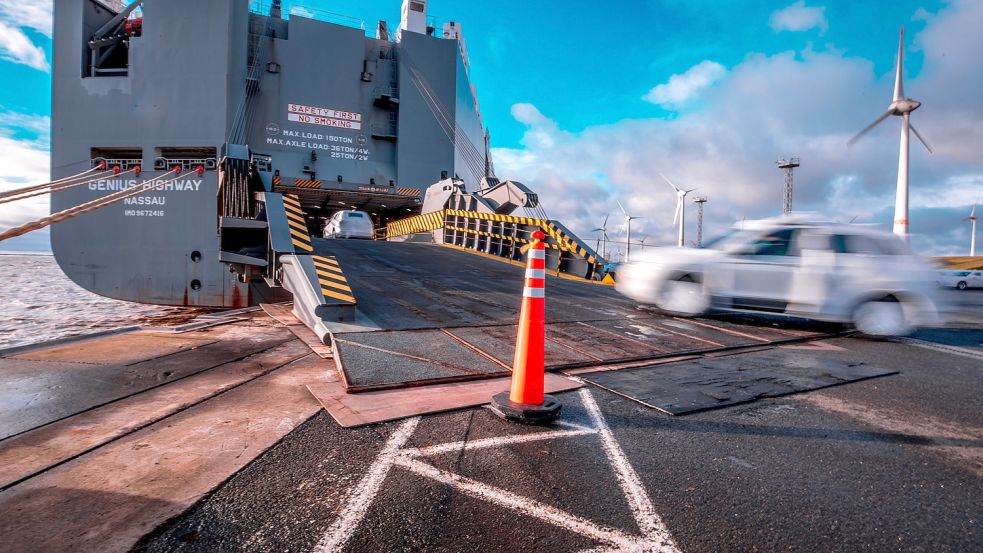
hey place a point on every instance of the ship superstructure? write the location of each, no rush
(252, 123)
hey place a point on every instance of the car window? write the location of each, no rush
(356, 215)
(868, 245)
(814, 241)
(779, 242)
(730, 238)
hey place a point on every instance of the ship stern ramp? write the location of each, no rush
(320, 289)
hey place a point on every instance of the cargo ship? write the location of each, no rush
(227, 133)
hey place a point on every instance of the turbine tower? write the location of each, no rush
(602, 238)
(699, 201)
(680, 208)
(972, 237)
(628, 219)
(787, 165)
(901, 107)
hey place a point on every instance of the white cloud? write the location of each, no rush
(798, 17)
(683, 87)
(15, 45)
(23, 162)
(32, 14)
(769, 106)
(301, 11)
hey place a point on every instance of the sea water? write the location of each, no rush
(39, 303)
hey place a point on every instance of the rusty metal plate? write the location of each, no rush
(116, 349)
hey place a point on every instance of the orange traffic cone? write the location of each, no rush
(526, 402)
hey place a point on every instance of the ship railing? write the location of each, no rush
(261, 7)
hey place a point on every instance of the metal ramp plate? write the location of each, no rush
(383, 360)
(699, 385)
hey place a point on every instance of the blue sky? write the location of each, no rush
(588, 105)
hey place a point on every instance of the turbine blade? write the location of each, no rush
(674, 187)
(690, 190)
(604, 226)
(860, 134)
(919, 136)
(898, 85)
(675, 215)
(623, 210)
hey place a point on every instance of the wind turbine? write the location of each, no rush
(972, 239)
(901, 107)
(603, 229)
(680, 208)
(628, 219)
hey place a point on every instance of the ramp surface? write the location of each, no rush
(402, 285)
(447, 315)
(690, 386)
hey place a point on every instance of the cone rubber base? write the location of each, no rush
(525, 413)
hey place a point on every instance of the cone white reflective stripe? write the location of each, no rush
(530, 292)
(535, 273)
(537, 254)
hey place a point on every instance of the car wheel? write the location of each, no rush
(961, 285)
(881, 318)
(683, 297)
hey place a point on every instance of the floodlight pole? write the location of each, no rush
(699, 218)
(787, 166)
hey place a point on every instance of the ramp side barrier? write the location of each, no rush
(418, 223)
(298, 226)
(504, 236)
(320, 289)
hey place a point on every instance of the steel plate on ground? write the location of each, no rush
(115, 349)
(375, 360)
(499, 342)
(698, 385)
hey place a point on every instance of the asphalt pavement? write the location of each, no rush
(888, 464)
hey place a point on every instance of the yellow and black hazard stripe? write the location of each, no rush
(570, 243)
(334, 285)
(276, 180)
(298, 228)
(417, 223)
(307, 183)
(496, 217)
(408, 191)
(515, 239)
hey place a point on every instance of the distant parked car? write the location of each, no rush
(961, 279)
(822, 271)
(349, 224)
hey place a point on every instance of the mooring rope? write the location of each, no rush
(7, 194)
(66, 186)
(87, 207)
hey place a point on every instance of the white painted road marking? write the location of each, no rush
(495, 442)
(954, 350)
(361, 496)
(648, 520)
(655, 536)
(524, 505)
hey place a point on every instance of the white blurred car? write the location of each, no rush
(823, 271)
(961, 279)
(349, 224)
